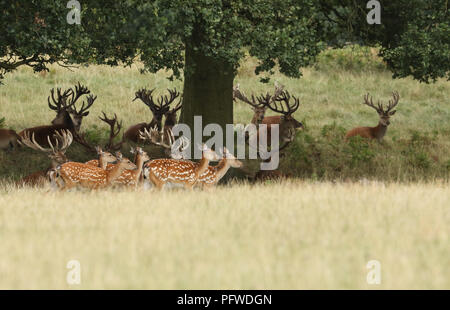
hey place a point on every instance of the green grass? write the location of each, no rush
(417, 144)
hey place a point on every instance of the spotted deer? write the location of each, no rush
(183, 173)
(88, 176)
(158, 110)
(104, 158)
(56, 153)
(379, 131)
(213, 174)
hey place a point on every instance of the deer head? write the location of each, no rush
(64, 105)
(158, 109)
(384, 114)
(231, 160)
(56, 153)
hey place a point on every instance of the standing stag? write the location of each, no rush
(379, 131)
(158, 110)
(56, 153)
(67, 116)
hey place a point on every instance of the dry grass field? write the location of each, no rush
(293, 235)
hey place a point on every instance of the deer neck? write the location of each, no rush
(114, 173)
(202, 166)
(139, 163)
(379, 131)
(102, 163)
(255, 120)
(222, 168)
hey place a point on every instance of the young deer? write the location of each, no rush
(73, 173)
(56, 153)
(158, 110)
(379, 131)
(104, 158)
(179, 172)
(213, 174)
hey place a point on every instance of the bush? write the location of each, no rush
(353, 58)
(2, 122)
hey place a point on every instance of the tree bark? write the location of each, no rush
(208, 90)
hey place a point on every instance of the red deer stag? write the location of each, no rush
(158, 110)
(173, 148)
(183, 173)
(67, 118)
(88, 176)
(9, 139)
(56, 153)
(379, 131)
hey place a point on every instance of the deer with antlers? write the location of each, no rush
(56, 153)
(183, 173)
(214, 174)
(173, 148)
(67, 117)
(379, 131)
(88, 176)
(280, 103)
(158, 110)
(115, 127)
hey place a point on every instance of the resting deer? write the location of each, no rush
(56, 153)
(67, 117)
(172, 148)
(379, 131)
(178, 172)
(214, 174)
(279, 103)
(158, 110)
(73, 174)
(115, 127)
(9, 139)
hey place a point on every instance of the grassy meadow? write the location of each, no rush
(292, 235)
(346, 203)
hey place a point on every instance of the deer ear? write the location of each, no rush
(85, 114)
(393, 112)
(132, 151)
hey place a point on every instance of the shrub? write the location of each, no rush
(2, 122)
(353, 58)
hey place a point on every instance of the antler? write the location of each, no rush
(63, 136)
(174, 148)
(61, 99)
(262, 100)
(146, 97)
(378, 108)
(115, 128)
(284, 99)
(393, 102)
(165, 102)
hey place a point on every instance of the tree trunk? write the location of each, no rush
(208, 90)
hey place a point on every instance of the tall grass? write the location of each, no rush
(300, 235)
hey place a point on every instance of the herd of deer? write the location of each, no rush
(109, 170)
